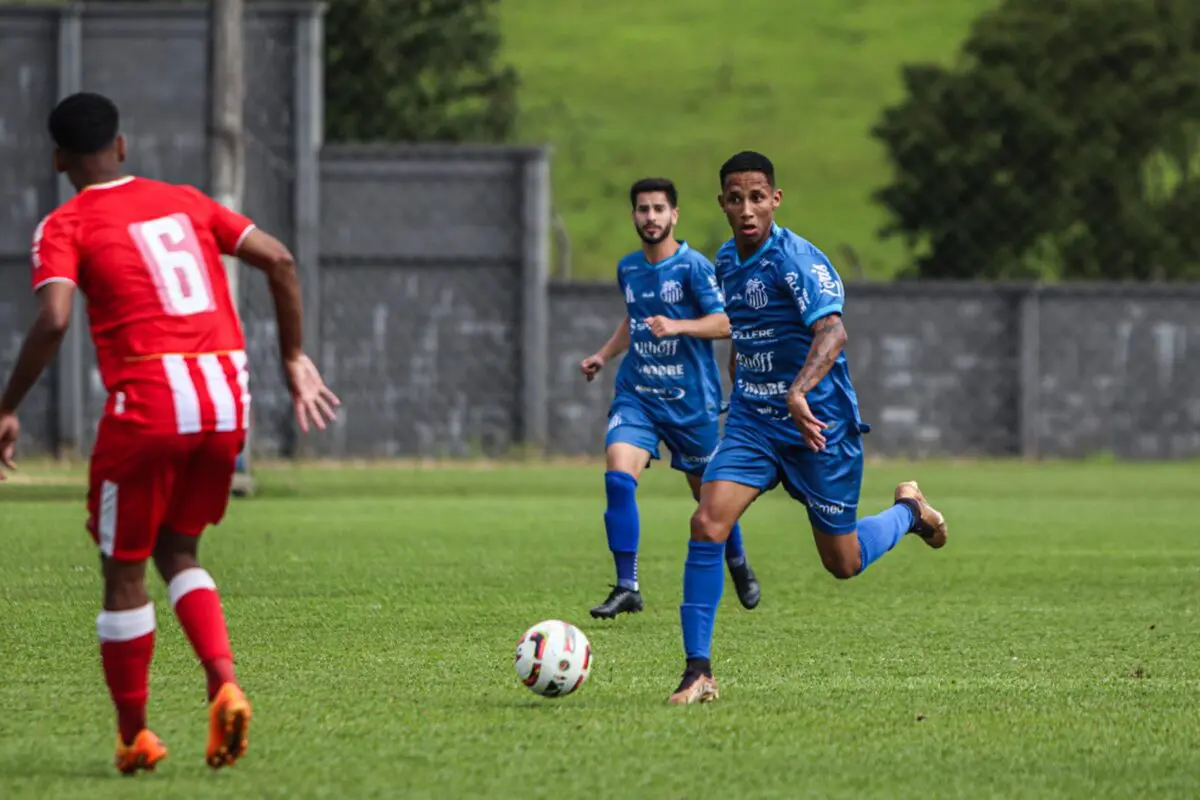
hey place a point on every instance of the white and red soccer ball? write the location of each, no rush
(553, 658)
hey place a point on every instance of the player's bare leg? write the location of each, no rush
(745, 582)
(624, 463)
(197, 605)
(841, 554)
(126, 630)
(722, 503)
(845, 555)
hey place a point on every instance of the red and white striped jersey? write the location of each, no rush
(147, 257)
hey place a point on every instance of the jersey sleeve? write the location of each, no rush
(55, 253)
(228, 227)
(706, 288)
(623, 285)
(813, 284)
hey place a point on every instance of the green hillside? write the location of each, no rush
(624, 89)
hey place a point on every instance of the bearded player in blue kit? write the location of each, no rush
(793, 416)
(668, 387)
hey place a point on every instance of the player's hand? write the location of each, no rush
(312, 399)
(810, 427)
(591, 366)
(10, 429)
(663, 326)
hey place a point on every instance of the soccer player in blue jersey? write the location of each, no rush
(793, 416)
(667, 387)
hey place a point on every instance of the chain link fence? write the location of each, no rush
(426, 264)
(277, 109)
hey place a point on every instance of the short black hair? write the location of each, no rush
(84, 123)
(748, 161)
(663, 185)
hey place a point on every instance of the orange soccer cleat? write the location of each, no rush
(228, 726)
(143, 754)
(930, 524)
(696, 687)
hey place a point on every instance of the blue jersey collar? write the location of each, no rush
(666, 262)
(762, 248)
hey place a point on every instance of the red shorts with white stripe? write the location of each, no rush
(165, 453)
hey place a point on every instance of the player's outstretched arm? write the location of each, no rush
(41, 343)
(269, 255)
(829, 339)
(313, 400)
(617, 343)
(710, 326)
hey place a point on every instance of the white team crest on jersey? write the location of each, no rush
(629, 298)
(671, 292)
(712, 282)
(756, 293)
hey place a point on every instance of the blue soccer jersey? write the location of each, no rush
(772, 299)
(673, 379)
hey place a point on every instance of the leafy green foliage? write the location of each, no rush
(622, 90)
(416, 71)
(1065, 143)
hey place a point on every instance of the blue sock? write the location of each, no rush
(878, 534)
(703, 582)
(622, 525)
(735, 550)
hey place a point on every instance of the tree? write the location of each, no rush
(1065, 142)
(421, 70)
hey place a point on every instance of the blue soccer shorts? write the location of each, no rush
(828, 482)
(691, 446)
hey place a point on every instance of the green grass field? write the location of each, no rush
(1049, 651)
(623, 89)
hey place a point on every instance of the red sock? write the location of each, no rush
(126, 649)
(198, 607)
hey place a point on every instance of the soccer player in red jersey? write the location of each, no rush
(169, 345)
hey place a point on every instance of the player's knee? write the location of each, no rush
(124, 584)
(842, 566)
(706, 528)
(174, 553)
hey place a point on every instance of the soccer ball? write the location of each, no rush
(553, 658)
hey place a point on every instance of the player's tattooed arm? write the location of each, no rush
(829, 339)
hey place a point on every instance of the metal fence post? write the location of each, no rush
(535, 314)
(227, 146)
(70, 389)
(306, 197)
(1030, 372)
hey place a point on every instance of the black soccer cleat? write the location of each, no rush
(746, 584)
(620, 601)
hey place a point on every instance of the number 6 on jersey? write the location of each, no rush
(172, 253)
